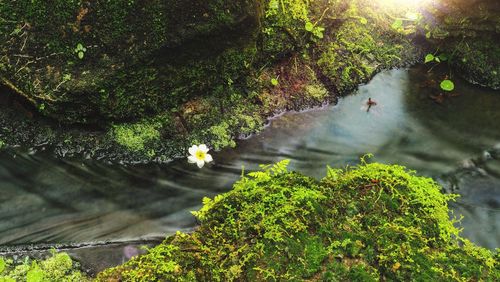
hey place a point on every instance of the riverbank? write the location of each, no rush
(318, 66)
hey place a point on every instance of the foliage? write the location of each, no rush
(274, 81)
(447, 85)
(80, 51)
(366, 223)
(356, 53)
(58, 267)
(135, 136)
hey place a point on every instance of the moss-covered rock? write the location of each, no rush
(58, 267)
(88, 61)
(468, 32)
(367, 223)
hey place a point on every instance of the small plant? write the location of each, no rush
(80, 51)
(447, 85)
(432, 58)
(317, 31)
(397, 24)
(274, 81)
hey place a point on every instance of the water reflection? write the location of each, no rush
(47, 200)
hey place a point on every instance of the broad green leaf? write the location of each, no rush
(447, 85)
(309, 26)
(80, 55)
(363, 20)
(429, 58)
(437, 59)
(79, 47)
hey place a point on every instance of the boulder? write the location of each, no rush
(94, 61)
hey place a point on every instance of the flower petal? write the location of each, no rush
(203, 148)
(192, 159)
(208, 158)
(200, 163)
(193, 150)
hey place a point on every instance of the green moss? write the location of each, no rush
(135, 136)
(478, 60)
(221, 137)
(367, 223)
(58, 267)
(357, 51)
(317, 92)
(283, 26)
(140, 58)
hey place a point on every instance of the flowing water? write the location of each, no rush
(457, 142)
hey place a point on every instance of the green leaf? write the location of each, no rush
(363, 20)
(428, 35)
(447, 85)
(397, 24)
(2, 265)
(429, 58)
(437, 59)
(309, 26)
(274, 81)
(443, 57)
(80, 55)
(79, 46)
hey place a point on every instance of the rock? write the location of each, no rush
(469, 31)
(94, 61)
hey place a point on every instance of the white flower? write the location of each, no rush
(199, 156)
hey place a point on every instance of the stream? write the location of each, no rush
(46, 200)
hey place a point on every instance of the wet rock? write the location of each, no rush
(94, 61)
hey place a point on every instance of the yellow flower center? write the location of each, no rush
(200, 155)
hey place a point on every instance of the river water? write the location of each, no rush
(456, 141)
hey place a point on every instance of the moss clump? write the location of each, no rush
(135, 136)
(367, 223)
(58, 267)
(363, 44)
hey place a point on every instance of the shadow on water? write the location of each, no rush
(45, 200)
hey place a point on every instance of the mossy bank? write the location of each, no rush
(129, 83)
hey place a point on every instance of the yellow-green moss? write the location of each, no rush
(372, 222)
(136, 135)
(59, 267)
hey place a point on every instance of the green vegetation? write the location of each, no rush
(361, 46)
(366, 223)
(80, 51)
(135, 136)
(447, 85)
(257, 59)
(59, 267)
